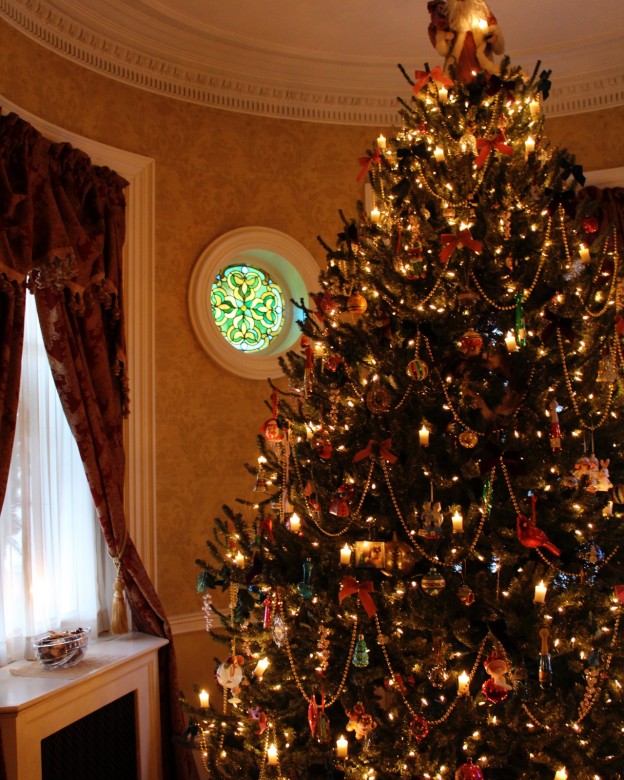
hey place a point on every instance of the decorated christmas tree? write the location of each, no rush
(427, 582)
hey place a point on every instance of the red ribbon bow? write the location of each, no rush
(486, 145)
(453, 241)
(366, 163)
(350, 585)
(383, 450)
(437, 75)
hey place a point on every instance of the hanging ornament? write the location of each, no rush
(618, 494)
(399, 557)
(433, 583)
(591, 225)
(357, 304)
(379, 399)
(468, 141)
(360, 654)
(496, 688)
(603, 483)
(544, 673)
(280, 630)
(230, 673)
(468, 439)
(267, 618)
(607, 370)
(324, 446)
(271, 429)
(419, 728)
(417, 369)
(468, 771)
(471, 343)
(520, 324)
(530, 535)
(466, 595)
(432, 519)
(322, 649)
(591, 557)
(305, 589)
(360, 721)
(207, 610)
(339, 505)
(555, 430)
(438, 674)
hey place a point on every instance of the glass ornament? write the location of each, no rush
(433, 583)
(306, 591)
(360, 654)
(468, 771)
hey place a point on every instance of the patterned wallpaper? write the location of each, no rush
(216, 171)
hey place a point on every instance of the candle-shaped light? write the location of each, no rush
(561, 774)
(381, 141)
(204, 698)
(510, 342)
(458, 522)
(438, 153)
(443, 94)
(540, 593)
(529, 146)
(345, 555)
(584, 253)
(534, 107)
(261, 668)
(239, 559)
(272, 755)
(342, 747)
(295, 523)
(423, 436)
(375, 215)
(463, 684)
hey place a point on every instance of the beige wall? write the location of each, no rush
(216, 171)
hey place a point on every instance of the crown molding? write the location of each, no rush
(350, 92)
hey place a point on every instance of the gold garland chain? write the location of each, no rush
(313, 512)
(343, 679)
(414, 544)
(591, 696)
(612, 286)
(582, 422)
(528, 292)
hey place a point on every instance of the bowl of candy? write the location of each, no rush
(56, 649)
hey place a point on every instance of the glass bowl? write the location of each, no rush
(56, 649)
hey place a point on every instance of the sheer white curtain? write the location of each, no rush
(54, 572)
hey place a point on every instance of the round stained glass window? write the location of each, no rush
(247, 306)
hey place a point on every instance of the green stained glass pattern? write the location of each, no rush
(247, 306)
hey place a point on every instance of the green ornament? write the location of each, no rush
(360, 654)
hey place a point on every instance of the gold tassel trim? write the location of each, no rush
(119, 612)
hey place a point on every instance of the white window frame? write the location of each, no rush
(138, 289)
(292, 267)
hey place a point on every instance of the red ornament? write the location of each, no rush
(468, 771)
(493, 692)
(419, 728)
(417, 369)
(271, 429)
(471, 343)
(590, 225)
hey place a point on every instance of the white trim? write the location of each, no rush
(188, 623)
(342, 90)
(295, 270)
(139, 429)
(608, 177)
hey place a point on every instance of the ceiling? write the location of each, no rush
(317, 60)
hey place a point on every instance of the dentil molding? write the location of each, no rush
(365, 93)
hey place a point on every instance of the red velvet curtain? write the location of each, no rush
(61, 235)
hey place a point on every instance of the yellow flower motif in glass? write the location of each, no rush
(247, 307)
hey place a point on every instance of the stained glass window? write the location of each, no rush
(247, 307)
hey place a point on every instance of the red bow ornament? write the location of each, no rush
(382, 449)
(437, 75)
(350, 585)
(366, 163)
(454, 241)
(486, 145)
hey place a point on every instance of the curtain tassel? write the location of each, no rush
(119, 613)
